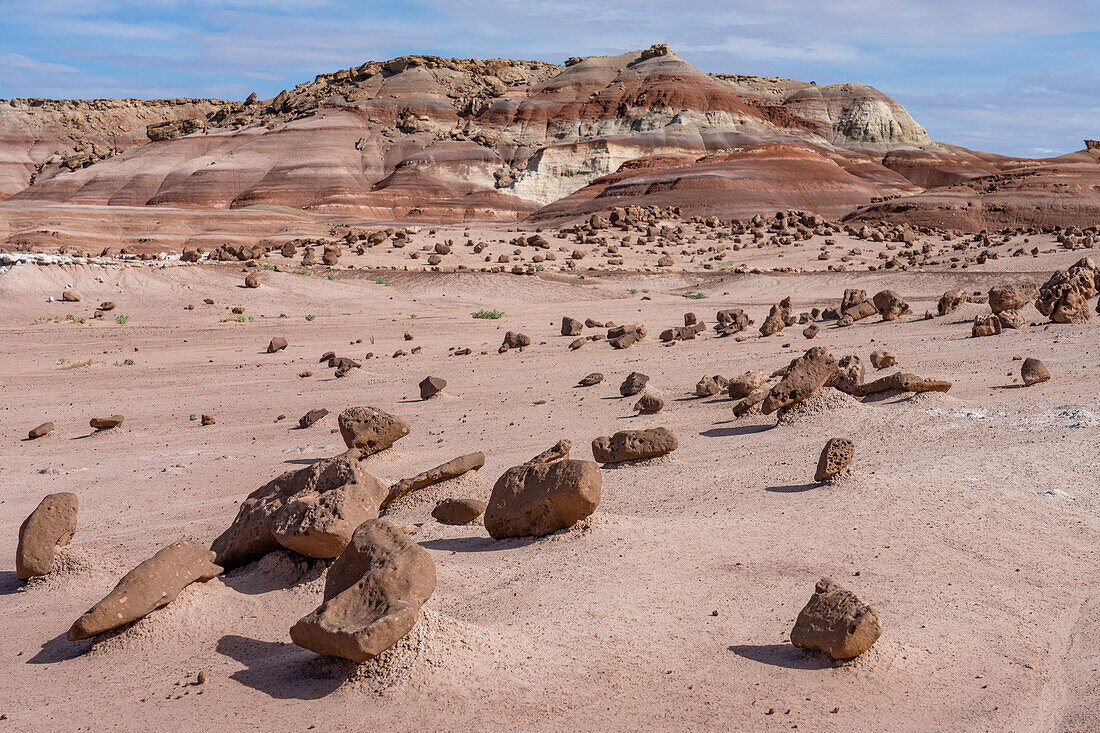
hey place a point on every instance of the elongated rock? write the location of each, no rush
(373, 595)
(312, 511)
(903, 382)
(836, 622)
(152, 584)
(632, 445)
(52, 523)
(805, 375)
(451, 469)
(37, 432)
(537, 499)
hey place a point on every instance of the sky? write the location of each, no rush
(1005, 76)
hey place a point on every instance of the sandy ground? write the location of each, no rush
(969, 520)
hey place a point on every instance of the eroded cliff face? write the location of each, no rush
(434, 139)
(42, 137)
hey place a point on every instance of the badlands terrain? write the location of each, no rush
(197, 308)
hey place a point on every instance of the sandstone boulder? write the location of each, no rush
(373, 594)
(52, 523)
(988, 324)
(890, 305)
(451, 469)
(881, 359)
(592, 379)
(746, 384)
(836, 622)
(632, 445)
(152, 584)
(106, 423)
(1033, 372)
(1012, 297)
(850, 373)
(277, 344)
(252, 280)
(901, 382)
(39, 431)
(458, 511)
(633, 384)
(541, 498)
(1064, 297)
(951, 300)
(312, 511)
(571, 326)
(805, 375)
(649, 404)
(312, 417)
(370, 430)
(834, 458)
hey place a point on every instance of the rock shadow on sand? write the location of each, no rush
(60, 649)
(477, 544)
(780, 655)
(283, 670)
(736, 430)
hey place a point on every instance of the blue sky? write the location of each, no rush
(1005, 76)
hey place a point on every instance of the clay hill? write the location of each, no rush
(435, 140)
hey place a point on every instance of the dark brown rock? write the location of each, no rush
(277, 344)
(1033, 372)
(458, 511)
(836, 622)
(633, 384)
(592, 379)
(631, 445)
(834, 458)
(370, 430)
(152, 584)
(451, 469)
(541, 498)
(571, 326)
(105, 423)
(649, 404)
(37, 432)
(311, 417)
(373, 594)
(431, 386)
(312, 511)
(805, 375)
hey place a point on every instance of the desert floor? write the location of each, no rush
(969, 519)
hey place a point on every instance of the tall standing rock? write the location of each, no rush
(312, 511)
(370, 430)
(836, 622)
(152, 584)
(373, 594)
(835, 457)
(52, 523)
(537, 499)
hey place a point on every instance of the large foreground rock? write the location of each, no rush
(805, 375)
(152, 584)
(1064, 297)
(631, 445)
(1033, 372)
(370, 430)
(836, 622)
(373, 595)
(537, 499)
(312, 511)
(52, 523)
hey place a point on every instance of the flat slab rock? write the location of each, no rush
(373, 594)
(152, 584)
(836, 622)
(52, 523)
(632, 445)
(312, 511)
(537, 499)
